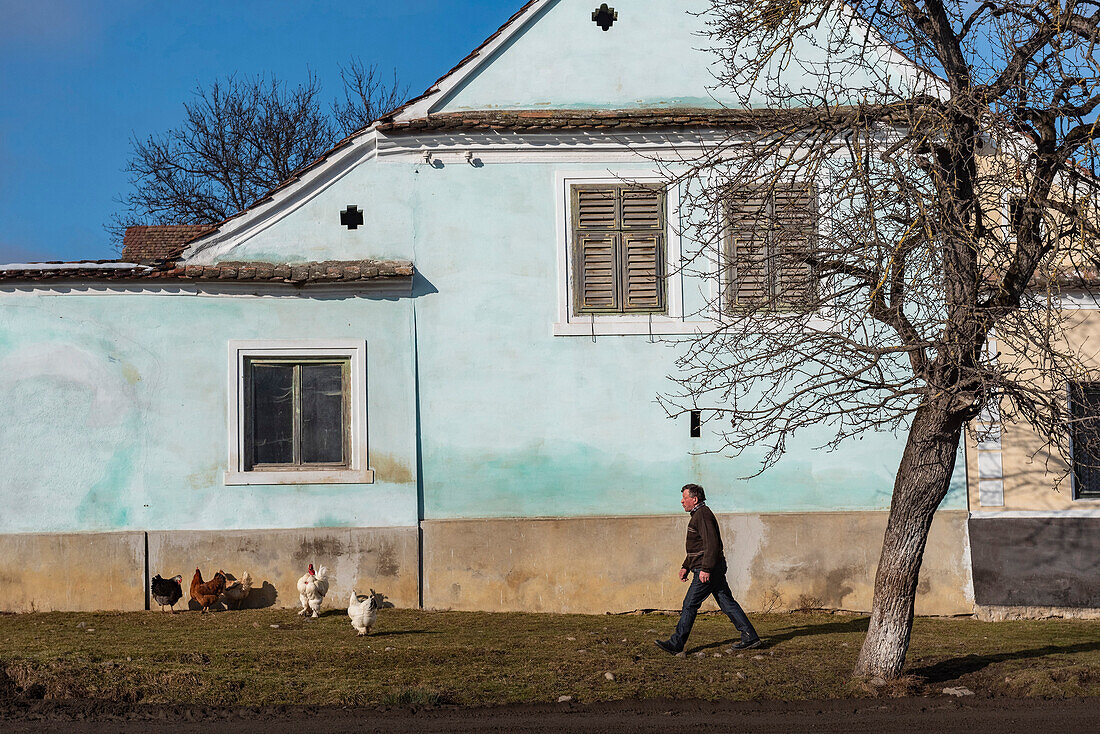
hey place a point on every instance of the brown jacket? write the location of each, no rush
(704, 542)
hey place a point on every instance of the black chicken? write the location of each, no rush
(166, 592)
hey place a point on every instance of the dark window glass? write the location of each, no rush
(297, 413)
(272, 414)
(322, 413)
(1084, 400)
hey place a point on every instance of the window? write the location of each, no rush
(618, 248)
(770, 238)
(1084, 411)
(297, 412)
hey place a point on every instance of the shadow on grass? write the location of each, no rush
(857, 624)
(953, 668)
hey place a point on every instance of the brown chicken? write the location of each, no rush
(207, 593)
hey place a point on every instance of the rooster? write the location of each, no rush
(363, 612)
(208, 593)
(312, 588)
(166, 592)
(236, 592)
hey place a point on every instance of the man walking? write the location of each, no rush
(706, 561)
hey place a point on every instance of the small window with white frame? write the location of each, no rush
(297, 413)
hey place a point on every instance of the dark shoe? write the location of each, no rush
(666, 646)
(748, 645)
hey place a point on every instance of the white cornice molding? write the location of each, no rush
(476, 148)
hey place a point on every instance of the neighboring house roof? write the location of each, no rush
(146, 243)
(311, 273)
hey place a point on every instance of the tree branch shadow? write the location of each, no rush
(953, 668)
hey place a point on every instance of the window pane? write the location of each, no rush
(272, 413)
(322, 413)
(1085, 402)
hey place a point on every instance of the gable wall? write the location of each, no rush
(656, 55)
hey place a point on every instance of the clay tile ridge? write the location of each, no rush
(579, 119)
(329, 271)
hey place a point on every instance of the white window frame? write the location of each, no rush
(353, 350)
(571, 324)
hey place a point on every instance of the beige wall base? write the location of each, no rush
(72, 572)
(1001, 614)
(384, 559)
(615, 564)
(106, 571)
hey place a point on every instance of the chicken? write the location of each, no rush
(236, 592)
(363, 612)
(166, 592)
(208, 593)
(312, 588)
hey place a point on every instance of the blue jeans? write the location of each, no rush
(697, 593)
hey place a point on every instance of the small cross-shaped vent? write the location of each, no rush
(351, 217)
(604, 16)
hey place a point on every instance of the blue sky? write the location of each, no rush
(78, 79)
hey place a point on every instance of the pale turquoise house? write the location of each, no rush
(416, 364)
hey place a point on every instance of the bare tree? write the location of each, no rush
(366, 96)
(241, 138)
(893, 226)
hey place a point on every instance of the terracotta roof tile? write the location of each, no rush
(527, 120)
(344, 271)
(147, 243)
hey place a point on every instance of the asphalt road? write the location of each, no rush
(916, 715)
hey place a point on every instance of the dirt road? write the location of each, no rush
(906, 715)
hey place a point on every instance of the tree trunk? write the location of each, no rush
(921, 484)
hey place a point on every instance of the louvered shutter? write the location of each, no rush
(642, 208)
(795, 233)
(770, 237)
(643, 284)
(597, 272)
(618, 248)
(748, 250)
(595, 207)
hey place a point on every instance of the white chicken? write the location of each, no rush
(363, 611)
(312, 588)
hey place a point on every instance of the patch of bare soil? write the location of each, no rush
(902, 715)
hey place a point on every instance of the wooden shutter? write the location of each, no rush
(771, 235)
(747, 252)
(794, 235)
(642, 208)
(618, 248)
(597, 272)
(595, 207)
(643, 260)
